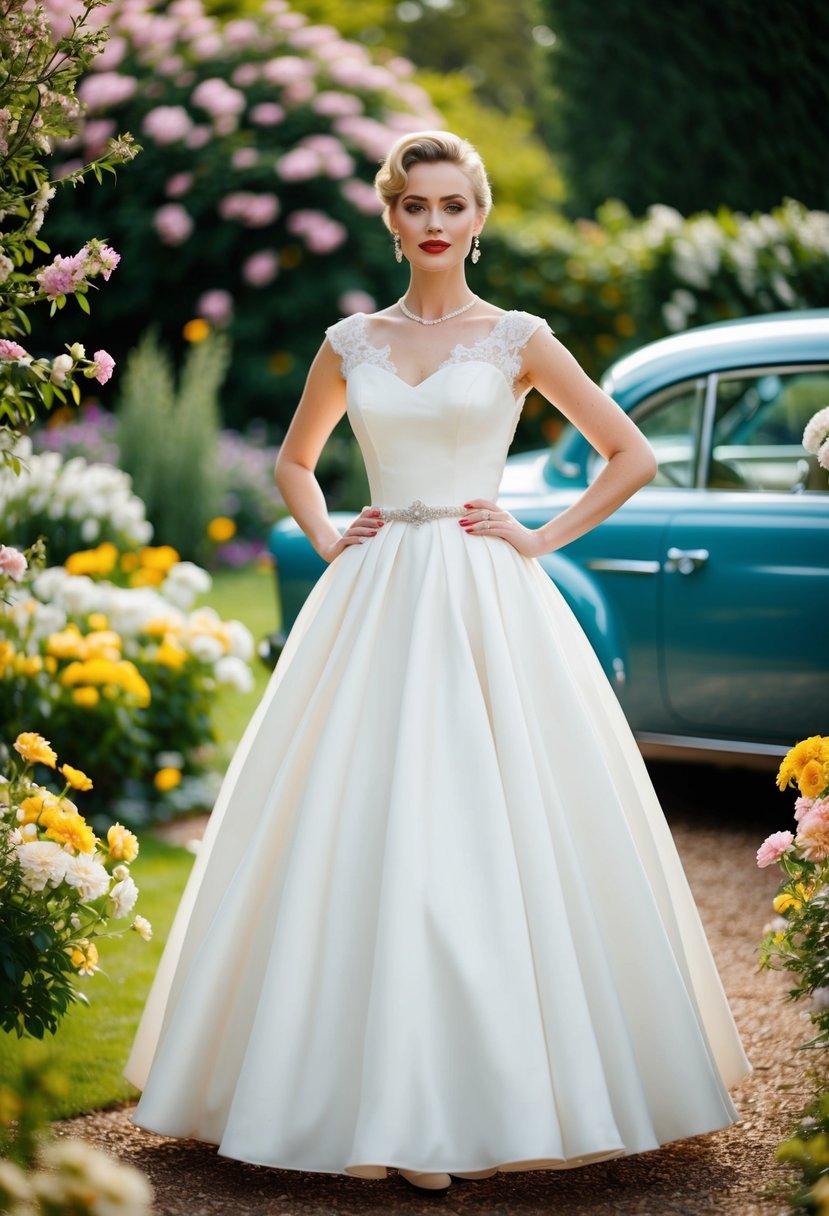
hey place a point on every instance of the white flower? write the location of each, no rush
(75, 921)
(206, 648)
(61, 367)
(43, 862)
(123, 896)
(184, 582)
(16, 1185)
(79, 1177)
(241, 640)
(817, 431)
(235, 672)
(87, 875)
(143, 928)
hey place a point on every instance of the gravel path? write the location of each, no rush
(730, 1172)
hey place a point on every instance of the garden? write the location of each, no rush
(207, 169)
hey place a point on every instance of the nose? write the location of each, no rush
(434, 224)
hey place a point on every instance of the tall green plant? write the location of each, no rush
(168, 436)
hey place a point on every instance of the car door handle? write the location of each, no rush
(686, 561)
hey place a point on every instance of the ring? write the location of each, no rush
(486, 514)
(486, 525)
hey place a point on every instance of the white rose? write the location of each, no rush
(61, 367)
(87, 875)
(817, 431)
(241, 640)
(143, 928)
(206, 648)
(235, 672)
(43, 862)
(123, 896)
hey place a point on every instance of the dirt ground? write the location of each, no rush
(730, 1172)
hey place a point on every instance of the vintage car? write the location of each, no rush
(706, 596)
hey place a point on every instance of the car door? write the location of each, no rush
(745, 583)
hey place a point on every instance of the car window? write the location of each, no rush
(757, 441)
(671, 422)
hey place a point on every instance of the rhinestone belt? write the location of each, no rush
(418, 513)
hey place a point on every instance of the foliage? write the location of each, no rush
(61, 887)
(807, 1150)
(128, 675)
(41, 1175)
(261, 138)
(37, 107)
(693, 106)
(168, 438)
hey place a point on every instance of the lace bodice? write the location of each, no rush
(445, 439)
(501, 347)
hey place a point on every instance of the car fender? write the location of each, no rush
(593, 611)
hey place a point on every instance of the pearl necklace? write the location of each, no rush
(446, 316)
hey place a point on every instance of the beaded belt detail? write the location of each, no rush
(418, 513)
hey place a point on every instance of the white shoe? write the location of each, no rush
(475, 1175)
(426, 1181)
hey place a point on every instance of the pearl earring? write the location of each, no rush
(398, 251)
(476, 249)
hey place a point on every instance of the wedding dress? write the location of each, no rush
(438, 920)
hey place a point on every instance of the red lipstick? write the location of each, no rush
(434, 246)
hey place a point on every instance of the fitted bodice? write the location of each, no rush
(444, 440)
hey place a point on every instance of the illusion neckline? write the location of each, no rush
(449, 361)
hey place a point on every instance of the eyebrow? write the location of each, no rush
(420, 198)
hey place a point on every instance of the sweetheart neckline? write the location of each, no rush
(390, 371)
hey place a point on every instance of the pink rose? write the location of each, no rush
(267, 114)
(173, 224)
(12, 350)
(99, 259)
(63, 277)
(813, 832)
(106, 89)
(362, 196)
(218, 98)
(102, 366)
(178, 184)
(12, 563)
(167, 124)
(298, 165)
(773, 848)
(802, 807)
(331, 104)
(261, 268)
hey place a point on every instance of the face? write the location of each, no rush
(436, 216)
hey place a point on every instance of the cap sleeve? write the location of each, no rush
(344, 337)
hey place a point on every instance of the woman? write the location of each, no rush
(438, 921)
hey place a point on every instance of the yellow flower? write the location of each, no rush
(86, 698)
(170, 653)
(69, 828)
(816, 747)
(35, 749)
(67, 644)
(159, 557)
(93, 561)
(130, 562)
(123, 844)
(196, 330)
(782, 902)
(146, 577)
(103, 644)
(50, 663)
(97, 620)
(813, 779)
(32, 807)
(122, 674)
(85, 957)
(6, 656)
(167, 779)
(76, 778)
(221, 529)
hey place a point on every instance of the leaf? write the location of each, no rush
(83, 303)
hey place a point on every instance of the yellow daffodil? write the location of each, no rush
(77, 779)
(35, 749)
(86, 698)
(167, 779)
(123, 844)
(221, 529)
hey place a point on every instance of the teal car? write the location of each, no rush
(706, 596)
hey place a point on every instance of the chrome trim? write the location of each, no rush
(654, 745)
(623, 565)
(706, 432)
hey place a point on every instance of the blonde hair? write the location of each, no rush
(430, 147)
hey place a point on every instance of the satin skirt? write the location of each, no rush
(438, 920)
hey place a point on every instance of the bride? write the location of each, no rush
(438, 922)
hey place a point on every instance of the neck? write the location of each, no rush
(432, 295)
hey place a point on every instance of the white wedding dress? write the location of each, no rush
(438, 920)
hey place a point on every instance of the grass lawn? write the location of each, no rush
(92, 1044)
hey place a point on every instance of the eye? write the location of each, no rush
(412, 207)
(455, 207)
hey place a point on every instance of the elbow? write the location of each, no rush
(650, 465)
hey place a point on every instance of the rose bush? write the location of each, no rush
(114, 659)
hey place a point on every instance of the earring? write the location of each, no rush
(476, 249)
(398, 251)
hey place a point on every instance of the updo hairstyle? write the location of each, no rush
(430, 147)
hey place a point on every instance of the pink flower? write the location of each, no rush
(63, 277)
(261, 268)
(773, 848)
(802, 807)
(252, 210)
(215, 306)
(198, 137)
(362, 196)
(244, 158)
(100, 259)
(813, 832)
(173, 224)
(12, 350)
(12, 563)
(356, 301)
(178, 184)
(331, 104)
(103, 90)
(246, 74)
(167, 124)
(298, 165)
(287, 69)
(320, 233)
(267, 114)
(96, 135)
(313, 36)
(102, 366)
(240, 33)
(218, 98)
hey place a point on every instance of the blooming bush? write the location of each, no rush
(73, 502)
(37, 108)
(816, 437)
(261, 136)
(127, 674)
(61, 887)
(42, 1175)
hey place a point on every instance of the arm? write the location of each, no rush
(321, 407)
(550, 368)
